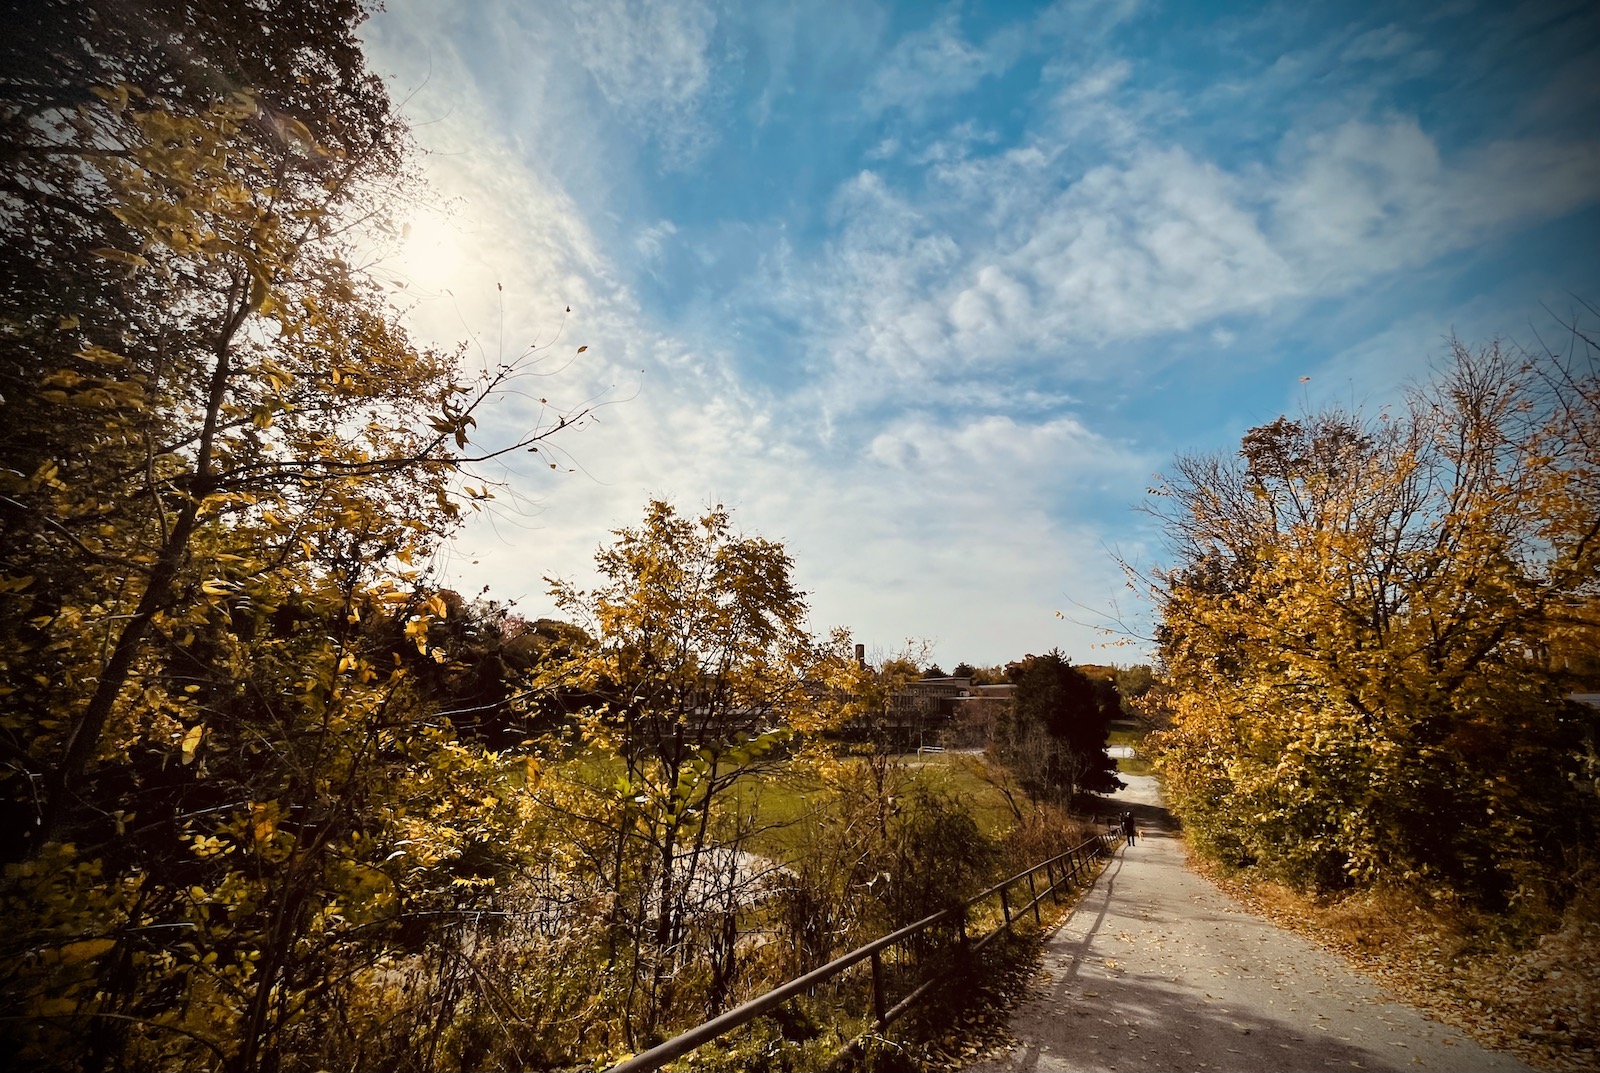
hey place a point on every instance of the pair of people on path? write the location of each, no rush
(1128, 830)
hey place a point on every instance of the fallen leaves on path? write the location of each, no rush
(1541, 1003)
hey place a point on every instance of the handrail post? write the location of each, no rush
(1033, 891)
(686, 1042)
(1050, 874)
(878, 1006)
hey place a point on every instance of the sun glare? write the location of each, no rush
(435, 254)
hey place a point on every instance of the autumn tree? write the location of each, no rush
(222, 466)
(697, 672)
(1357, 630)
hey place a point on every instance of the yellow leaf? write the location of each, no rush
(191, 741)
(100, 355)
(84, 949)
(116, 96)
(15, 584)
(122, 257)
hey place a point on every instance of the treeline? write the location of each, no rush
(1372, 631)
(271, 798)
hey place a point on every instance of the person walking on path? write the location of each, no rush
(1127, 827)
(1156, 969)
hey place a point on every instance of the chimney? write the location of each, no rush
(861, 655)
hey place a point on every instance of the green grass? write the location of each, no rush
(967, 777)
(785, 802)
(1126, 737)
(1132, 737)
(1137, 765)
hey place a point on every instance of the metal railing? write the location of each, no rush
(1060, 870)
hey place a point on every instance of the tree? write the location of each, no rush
(220, 458)
(1356, 632)
(698, 672)
(1055, 734)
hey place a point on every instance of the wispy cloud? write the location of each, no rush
(898, 346)
(1367, 198)
(652, 61)
(1153, 239)
(938, 62)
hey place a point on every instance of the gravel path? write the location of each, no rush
(1158, 970)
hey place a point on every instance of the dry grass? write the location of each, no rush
(1539, 1000)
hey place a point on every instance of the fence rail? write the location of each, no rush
(1059, 871)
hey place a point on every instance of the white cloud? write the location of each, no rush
(946, 528)
(887, 552)
(1159, 242)
(652, 240)
(1368, 198)
(937, 63)
(1384, 43)
(1011, 454)
(651, 60)
(925, 477)
(1002, 260)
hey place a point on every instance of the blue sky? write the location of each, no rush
(930, 291)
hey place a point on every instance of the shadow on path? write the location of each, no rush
(1157, 970)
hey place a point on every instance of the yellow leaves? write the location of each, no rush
(85, 950)
(55, 1007)
(60, 379)
(417, 632)
(264, 820)
(15, 583)
(132, 261)
(118, 96)
(208, 846)
(46, 476)
(261, 300)
(191, 742)
(99, 355)
(276, 376)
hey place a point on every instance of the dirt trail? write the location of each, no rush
(1158, 970)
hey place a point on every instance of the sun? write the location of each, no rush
(435, 253)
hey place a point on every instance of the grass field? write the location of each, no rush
(784, 802)
(1131, 735)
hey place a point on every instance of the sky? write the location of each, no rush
(931, 292)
